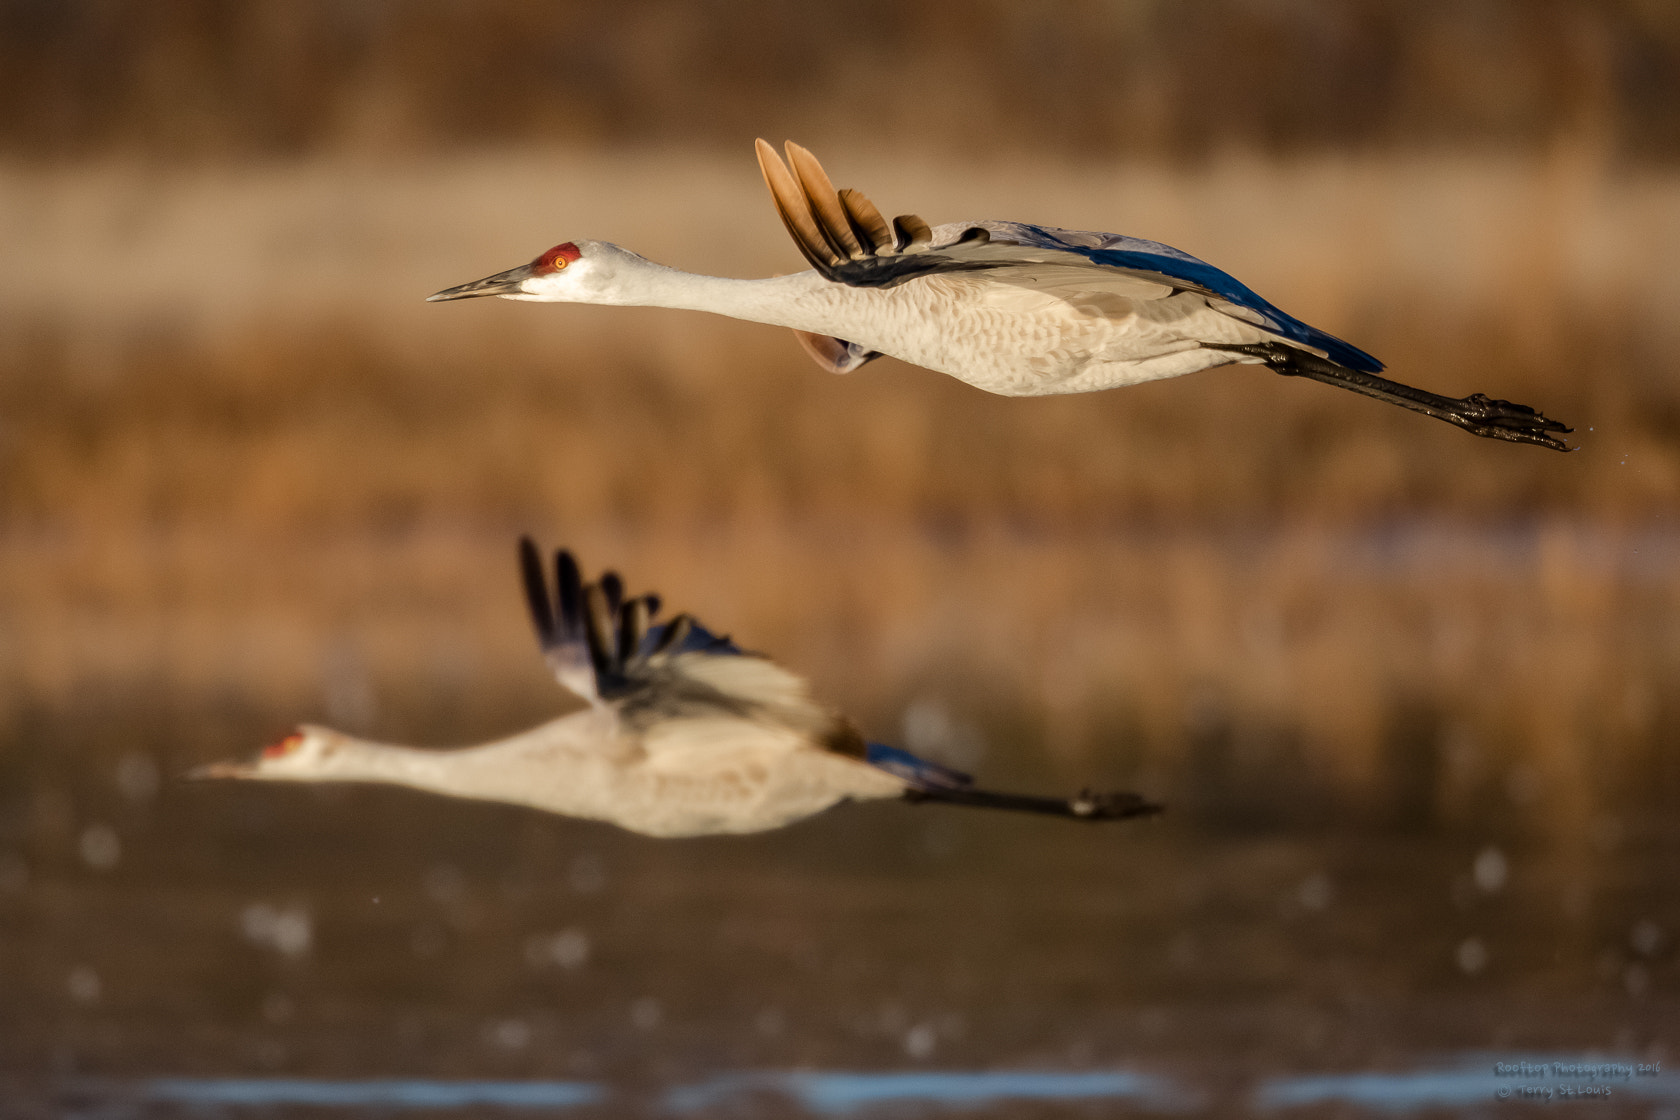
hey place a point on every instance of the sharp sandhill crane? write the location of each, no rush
(1012, 308)
(686, 734)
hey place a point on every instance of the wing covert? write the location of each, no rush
(844, 238)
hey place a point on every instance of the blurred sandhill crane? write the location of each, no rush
(1012, 308)
(686, 734)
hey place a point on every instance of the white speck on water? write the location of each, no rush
(1471, 955)
(646, 1013)
(569, 949)
(1315, 891)
(510, 1034)
(137, 776)
(1646, 937)
(285, 929)
(587, 874)
(100, 848)
(920, 1041)
(1490, 870)
(84, 985)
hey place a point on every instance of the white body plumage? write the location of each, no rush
(1008, 307)
(685, 735)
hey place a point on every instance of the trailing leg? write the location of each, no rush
(1477, 414)
(1087, 806)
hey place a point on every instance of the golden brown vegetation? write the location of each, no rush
(1155, 78)
(241, 464)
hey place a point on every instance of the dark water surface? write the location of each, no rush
(210, 950)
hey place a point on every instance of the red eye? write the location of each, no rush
(557, 258)
(284, 747)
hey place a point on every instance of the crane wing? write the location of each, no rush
(843, 236)
(655, 676)
(591, 635)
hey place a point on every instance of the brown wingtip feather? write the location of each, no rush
(795, 209)
(825, 202)
(914, 234)
(871, 228)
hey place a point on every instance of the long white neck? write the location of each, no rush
(804, 300)
(555, 754)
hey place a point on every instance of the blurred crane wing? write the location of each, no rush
(559, 622)
(593, 637)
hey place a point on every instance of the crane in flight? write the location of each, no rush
(686, 734)
(1009, 307)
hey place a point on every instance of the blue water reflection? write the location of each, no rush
(1476, 1080)
(832, 1094)
(1468, 1081)
(383, 1093)
(841, 1093)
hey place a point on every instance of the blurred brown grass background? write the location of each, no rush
(247, 477)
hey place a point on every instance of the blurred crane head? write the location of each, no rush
(307, 754)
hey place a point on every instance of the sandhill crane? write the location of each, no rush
(1012, 308)
(686, 734)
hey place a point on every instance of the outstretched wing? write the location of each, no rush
(593, 637)
(845, 238)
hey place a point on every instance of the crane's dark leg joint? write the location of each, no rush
(1478, 414)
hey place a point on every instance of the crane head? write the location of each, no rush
(571, 272)
(303, 755)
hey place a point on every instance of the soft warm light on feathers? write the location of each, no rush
(285, 746)
(1008, 307)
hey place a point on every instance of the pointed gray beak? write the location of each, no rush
(502, 284)
(221, 770)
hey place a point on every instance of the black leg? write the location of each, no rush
(1478, 414)
(1088, 806)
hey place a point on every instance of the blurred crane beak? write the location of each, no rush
(221, 770)
(502, 284)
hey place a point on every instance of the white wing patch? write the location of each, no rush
(751, 680)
